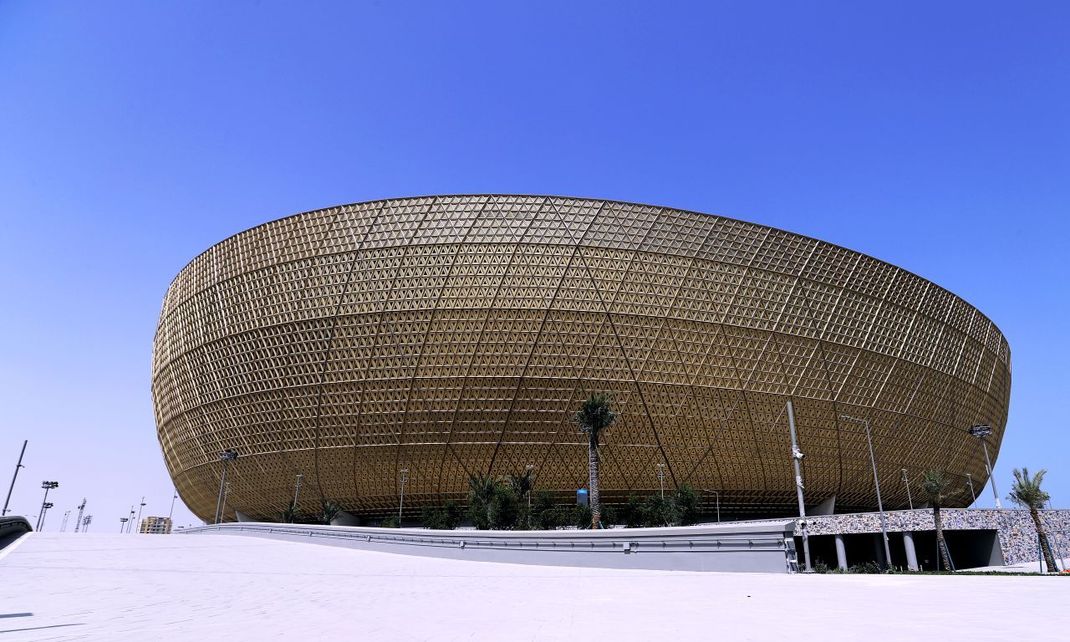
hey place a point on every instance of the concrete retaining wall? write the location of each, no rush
(766, 547)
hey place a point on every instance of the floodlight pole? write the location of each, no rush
(796, 457)
(969, 482)
(78, 522)
(906, 482)
(717, 497)
(981, 431)
(47, 485)
(139, 513)
(172, 511)
(401, 504)
(661, 479)
(529, 468)
(15, 476)
(877, 484)
(297, 490)
(226, 456)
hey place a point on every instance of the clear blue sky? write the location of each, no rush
(134, 135)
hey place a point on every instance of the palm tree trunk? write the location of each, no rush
(592, 469)
(940, 543)
(1045, 545)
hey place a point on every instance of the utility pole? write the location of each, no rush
(78, 522)
(47, 485)
(796, 457)
(15, 476)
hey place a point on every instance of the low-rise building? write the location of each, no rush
(155, 526)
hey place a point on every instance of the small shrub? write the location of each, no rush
(865, 567)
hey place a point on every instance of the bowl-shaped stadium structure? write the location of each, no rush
(453, 335)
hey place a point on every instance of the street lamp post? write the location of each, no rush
(661, 479)
(906, 482)
(969, 482)
(47, 485)
(981, 431)
(401, 504)
(877, 484)
(14, 477)
(226, 457)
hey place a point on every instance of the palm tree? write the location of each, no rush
(1026, 493)
(290, 514)
(594, 416)
(330, 510)
(933, 484)
(522, 485)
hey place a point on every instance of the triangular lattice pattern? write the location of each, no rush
(457, 334)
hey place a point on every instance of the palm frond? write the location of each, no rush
(1026, 490)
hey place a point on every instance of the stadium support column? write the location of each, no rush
(841, 552)
(796, 457)
(908, 548)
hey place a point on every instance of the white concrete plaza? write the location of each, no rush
(200, 587)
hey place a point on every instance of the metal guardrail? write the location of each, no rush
(766, 547)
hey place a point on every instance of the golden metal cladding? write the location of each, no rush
(454, 335)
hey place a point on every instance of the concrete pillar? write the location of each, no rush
(908, 546)
(841, 553)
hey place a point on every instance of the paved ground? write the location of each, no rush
(1024, 567)
(194, 587)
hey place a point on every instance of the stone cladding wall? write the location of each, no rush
(1017, 535)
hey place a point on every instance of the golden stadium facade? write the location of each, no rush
(452, 335)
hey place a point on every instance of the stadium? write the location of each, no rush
(401, 346)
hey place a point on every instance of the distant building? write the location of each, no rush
(156, 526)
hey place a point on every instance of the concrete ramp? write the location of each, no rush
(12, 528)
